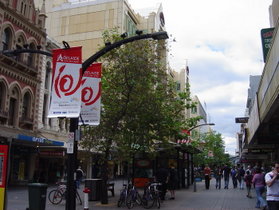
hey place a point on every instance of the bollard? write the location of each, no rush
(86, 192)
(195, 185)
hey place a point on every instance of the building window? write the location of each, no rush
(31, 56)
(47, 78)
(19, 45)
(6, 39)
(177, 86)
(131, 26)
(13, 107)
(194, 110)
(2, 95)
(26, 105)
(45, 102)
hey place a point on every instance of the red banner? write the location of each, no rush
(66, 83)
(91, 95)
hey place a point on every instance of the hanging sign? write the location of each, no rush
(3, 174)
(91, 95)
(66, 83)
(266, 35)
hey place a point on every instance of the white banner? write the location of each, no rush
(91, 95)
(66, 83)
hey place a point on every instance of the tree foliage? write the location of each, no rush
(140, 107)
(211, 142)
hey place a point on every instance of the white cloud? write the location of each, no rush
(220, 39)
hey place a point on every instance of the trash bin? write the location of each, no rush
(95, 186)
(37, 196)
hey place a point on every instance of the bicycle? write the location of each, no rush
(151, 196)
(133, 197)
(57, 195)
(123, 195)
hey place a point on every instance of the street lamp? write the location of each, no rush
(210, 124)
(200, 126)
(72, 158)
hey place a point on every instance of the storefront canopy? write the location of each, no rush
(40, 140)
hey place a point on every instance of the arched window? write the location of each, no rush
(31, 56)
(19, 45)
(6, 39)
(48, 71)
(13, 107)
(45, 106)
(26, 105)
(2, 96)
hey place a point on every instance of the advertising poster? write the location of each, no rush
(66, 83)
(91, 95)
(3, 174)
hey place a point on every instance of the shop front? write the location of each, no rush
(35, 159)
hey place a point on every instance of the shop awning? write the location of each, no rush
(40, 140)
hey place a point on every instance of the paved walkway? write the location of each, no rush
(187, 199)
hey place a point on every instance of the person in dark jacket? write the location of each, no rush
(172, 182)
(162, 176)
(227, 171)
(79, 175)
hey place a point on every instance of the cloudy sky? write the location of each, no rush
(220, 41)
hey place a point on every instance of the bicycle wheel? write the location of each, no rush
(120, 202)
(78, 198)
(147, 201)
(138, 199)
(158, 202)
(121, 199)
(130, 200)
(55, 197)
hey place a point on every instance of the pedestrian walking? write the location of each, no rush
(172, 182)
(218, 173)
(258, 181)
(79, 175)
(272, 185)
(207, 174)
(227, 171)
(234, 178)
(162, 176)
(240, 177)
(248, 180)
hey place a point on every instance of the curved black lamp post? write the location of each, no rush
(195, 184)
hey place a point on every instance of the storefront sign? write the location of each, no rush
(143, 163)
(241, 119)
(91, 95)
(52, 153)
(66, 83)
(40, 140)
(3, 174)
(70, 143)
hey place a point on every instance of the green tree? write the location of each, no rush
(140, 107)
(211, 143)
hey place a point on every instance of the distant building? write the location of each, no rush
(81, 23)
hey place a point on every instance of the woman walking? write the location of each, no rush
(172, 182)
(248, 179)
(258, 181)
(207, 173)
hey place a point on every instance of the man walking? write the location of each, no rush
(227, 171)
(272, 183)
